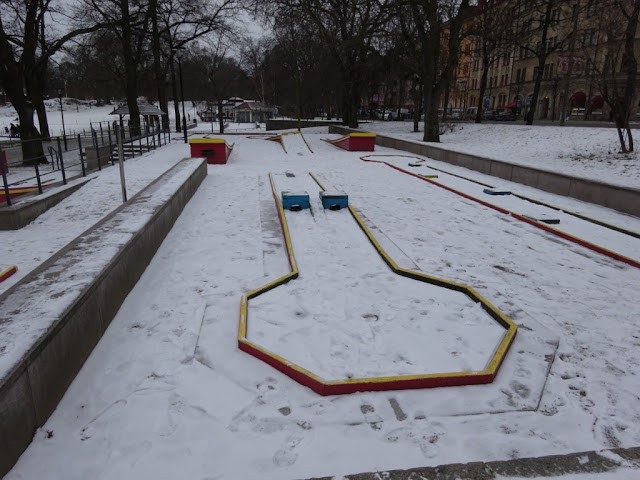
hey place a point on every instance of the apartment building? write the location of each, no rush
(577, 45)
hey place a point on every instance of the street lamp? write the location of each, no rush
(184, 119)
(64, 134)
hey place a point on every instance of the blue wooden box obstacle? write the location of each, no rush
(496, 191)
(295, 201)
(334, 200)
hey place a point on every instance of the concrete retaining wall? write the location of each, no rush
(25, 212)
(33, 387)
(287, 124)
(623, 199)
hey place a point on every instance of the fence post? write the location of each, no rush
(94, 137)
(140, 142)
(119, 139)
(64, 176)
(35, 165)
(101, 134)
(4, 179)
(84, 172)
(111, 146)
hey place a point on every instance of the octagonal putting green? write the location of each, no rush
(386, 328)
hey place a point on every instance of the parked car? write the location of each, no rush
(506, 116)
(489, 115)
(470, 113)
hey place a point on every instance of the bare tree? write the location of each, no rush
(222, 73)
(26, 47)
(129, 22)
(348, 29)
(436, 26)
(489, 27)
(542, 28)
(252, 56)
(614, 65)
(180, 22)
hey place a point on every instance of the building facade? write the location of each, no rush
(571, 45)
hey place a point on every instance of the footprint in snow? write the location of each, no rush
(287, 454)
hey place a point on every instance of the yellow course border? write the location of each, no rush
(296, 132)
(278, 138)
(207, 140)
(346, 386)
(7, 272)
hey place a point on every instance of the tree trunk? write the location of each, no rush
(432, 125)
(536, 92)
(542, 55)
(630, 67)
(220, 115)
(174, 93)
(483, 89)
(158, 71)
(42, 120)
(445, 105)
(346, 94)
(131, 71)
(35, 90)
(32, 150)
(417, 106)
(354, 105)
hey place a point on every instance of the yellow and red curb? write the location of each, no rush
(535, 223)
(347, 386)
(7, 273)
(278, 138)
(17, 191)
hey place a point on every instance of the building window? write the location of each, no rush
(521, 75)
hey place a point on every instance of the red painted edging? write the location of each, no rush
(542, 226)
(343, 388)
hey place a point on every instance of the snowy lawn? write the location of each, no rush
(167, 394)
(588, 152)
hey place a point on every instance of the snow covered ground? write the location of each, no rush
(589, 152)
(167, 394)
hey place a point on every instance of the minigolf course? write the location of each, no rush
(292, 142)
(215, 150)
(355, 142)
(537, 214)
(306, 325)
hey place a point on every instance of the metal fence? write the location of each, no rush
(69, 157)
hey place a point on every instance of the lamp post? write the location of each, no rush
(184, 119)
(64, 134)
